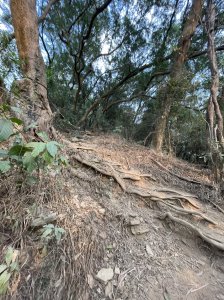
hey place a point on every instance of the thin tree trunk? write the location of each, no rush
(214, 115)
(33, 87)
(167, 95)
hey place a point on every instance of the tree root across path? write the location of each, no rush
(189, 210)
(211, 239)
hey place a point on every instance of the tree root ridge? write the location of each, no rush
(206, 237)
(188, 210)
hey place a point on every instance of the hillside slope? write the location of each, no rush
(144, 220)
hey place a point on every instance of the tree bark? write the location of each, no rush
(167, 95)
(32, 89)
(214, 114)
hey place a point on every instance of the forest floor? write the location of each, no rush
(138, 225)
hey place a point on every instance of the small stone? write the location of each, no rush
(109, 290)
(75, 139)
(105, 274)
(149, 250)
(117, 270)
(220, 297)
(134, 221)
(139, 229)
(102, 211)
(103, 235)
(133, 214)
(90, 280)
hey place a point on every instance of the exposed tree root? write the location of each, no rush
(179, 176)
(191, 212)
(154, 195)
(208, 238)
(169, 198)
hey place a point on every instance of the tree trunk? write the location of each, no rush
(214, 115)
(32, 89)
(167, 96)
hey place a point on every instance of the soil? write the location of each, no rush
(165, 261)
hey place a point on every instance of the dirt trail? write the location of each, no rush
(156, 259)
(112, 202)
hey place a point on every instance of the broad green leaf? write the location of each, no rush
(17, 121)
(47, 158)
(52, 148)
(4, 166)
(3, 153)
(9, 256)
(3, 268)
(43, 135)
(38, 148)
(18, 150)
(4, 282)
(29, 162)
(6, 129)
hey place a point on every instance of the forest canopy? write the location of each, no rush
(139, 68)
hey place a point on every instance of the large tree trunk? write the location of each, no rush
(33, 87)
(214, 114)
(167, 95)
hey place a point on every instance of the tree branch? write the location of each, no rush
(46, 11)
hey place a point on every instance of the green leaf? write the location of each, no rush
(4, 282)
(18, 150)
(47, 232)
(17, 121)
(47, 158)
(6, 129)
(3, 268)
(3, 153)
(4, 166)
(63, 160)
(14, 266)
(5, 107)
(38, 148)
(52, 148)
(49, 226)
(9, 256)
(43, 135)
(29, 162)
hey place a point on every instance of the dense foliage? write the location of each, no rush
(108, 62)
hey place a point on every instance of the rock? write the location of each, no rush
(139, 229)
(103, 235)
(109, 290)
(90, 280)
(133, 214)
(117, 271)
(149, 250)
(220, 297)
(75, 139)
(134, 221)
(105, 274)
(102, 211)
